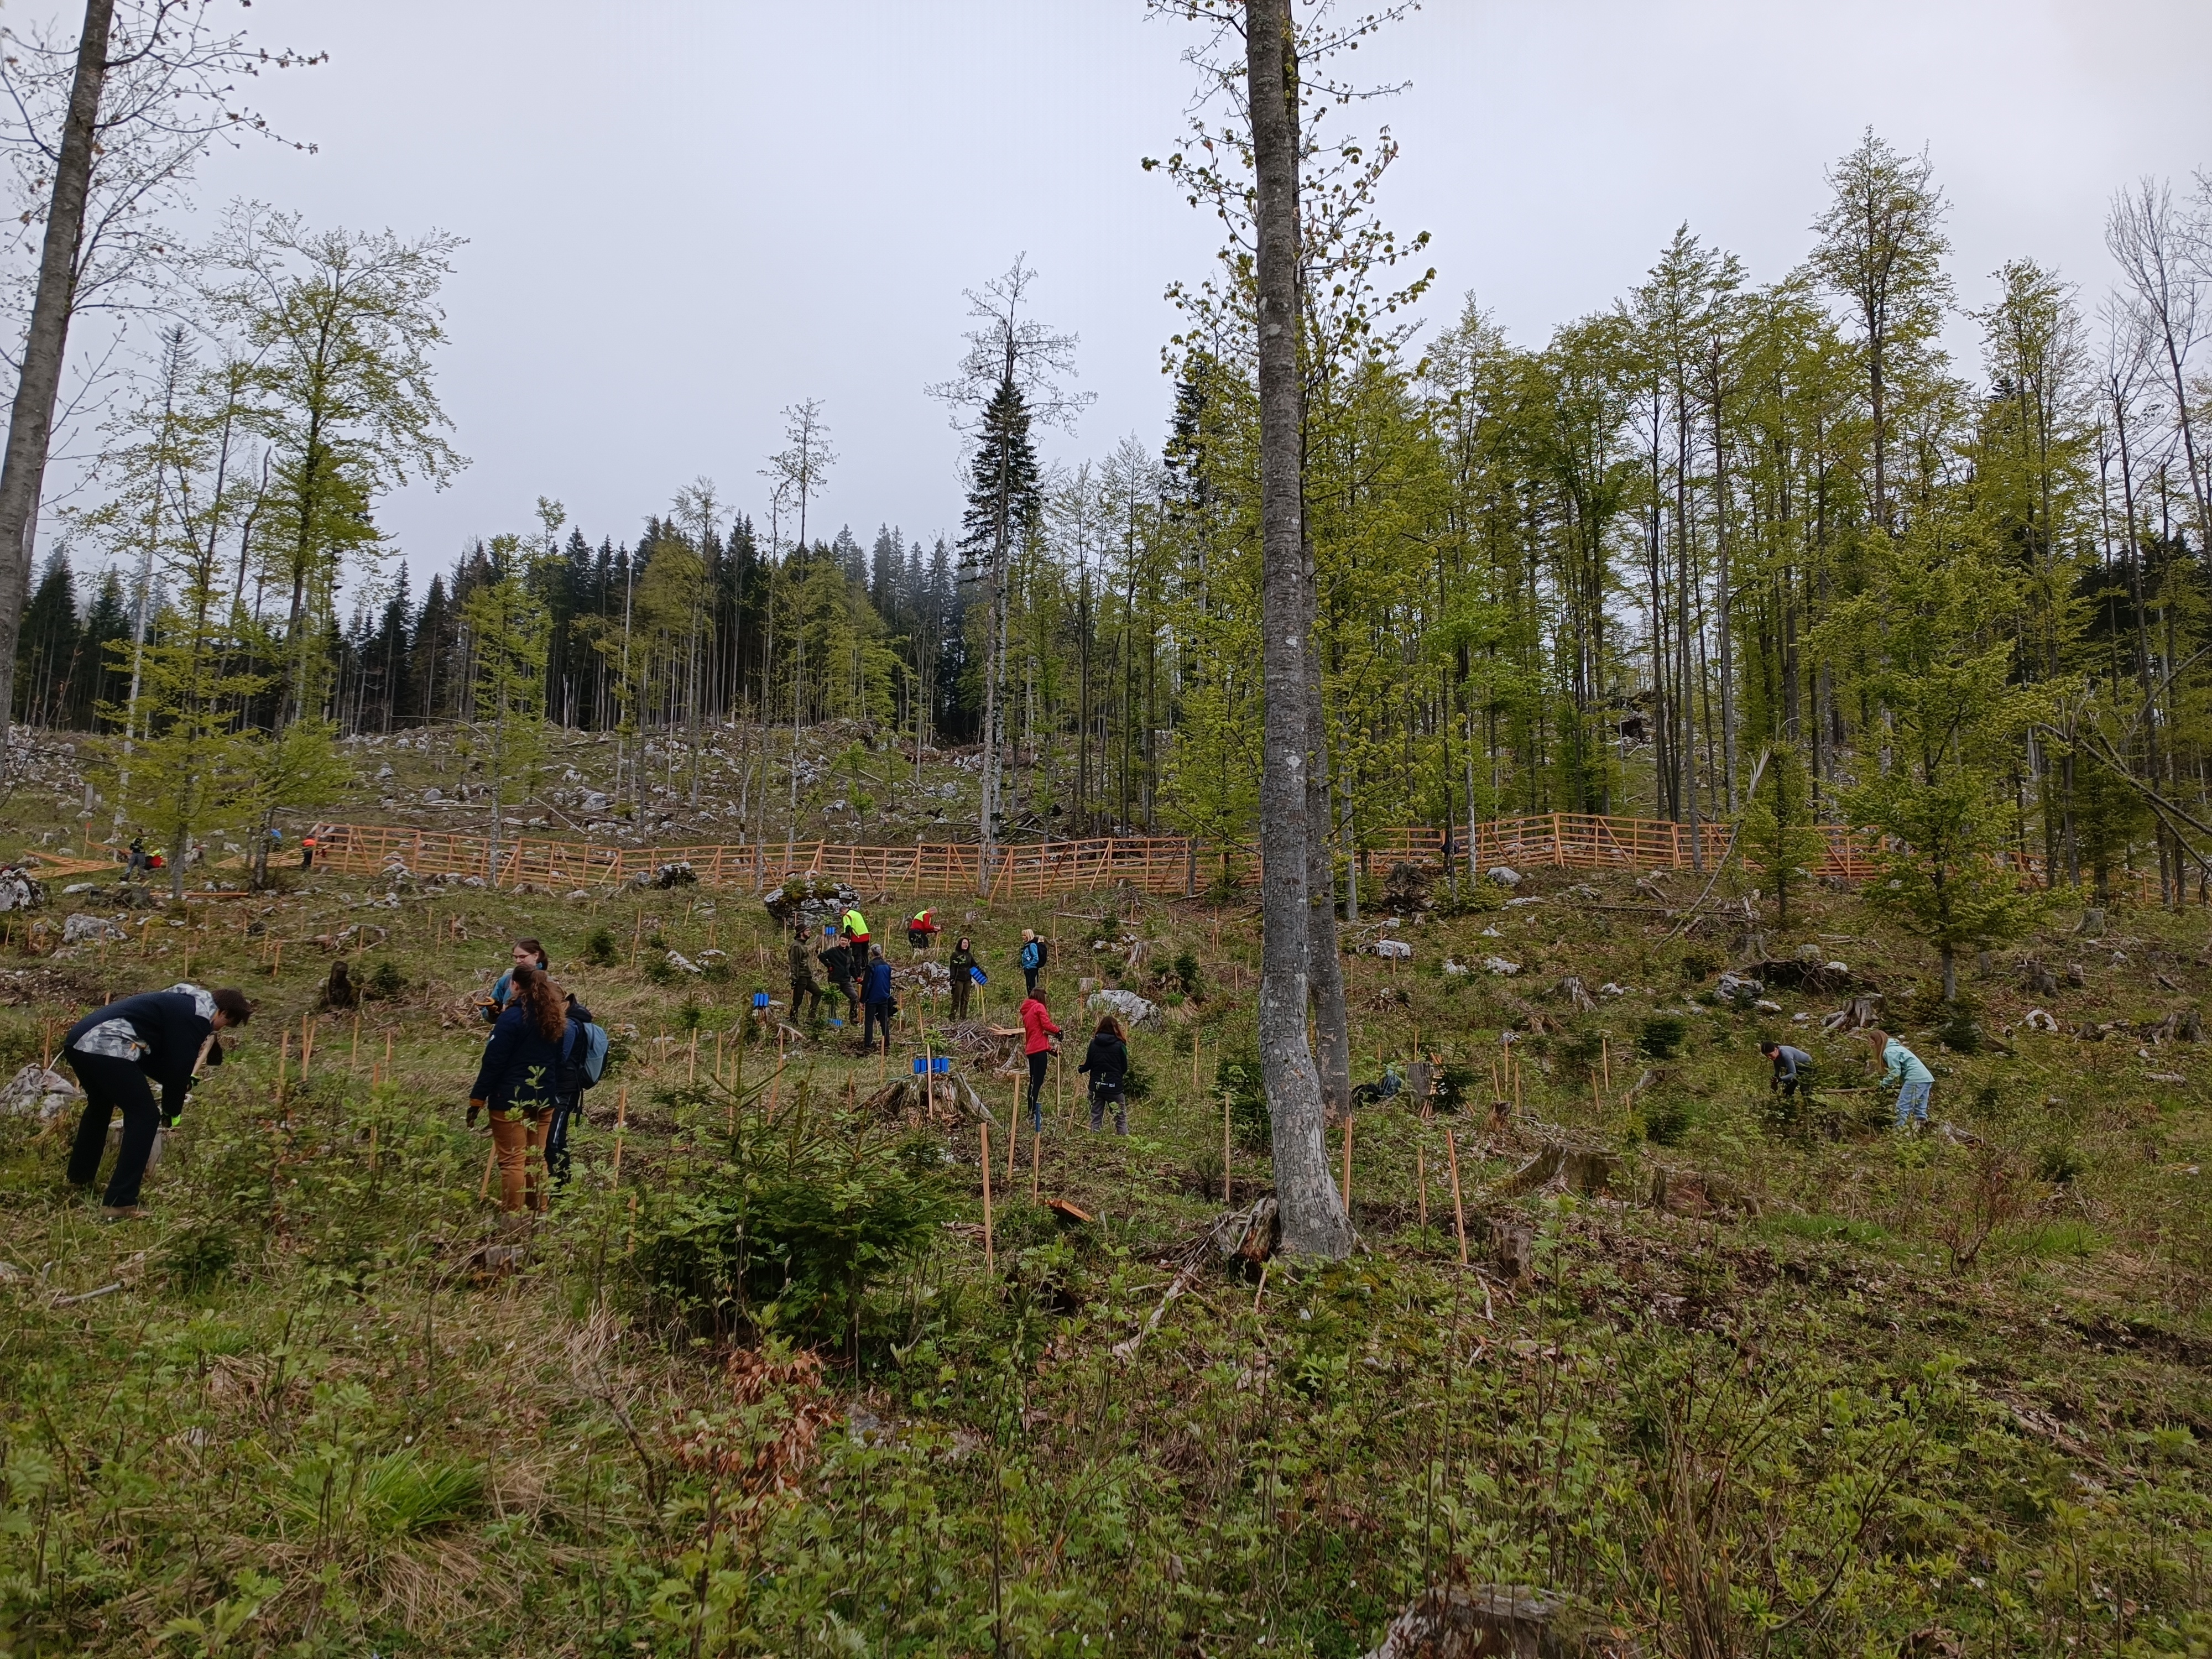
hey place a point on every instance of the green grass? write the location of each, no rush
(314, 1417)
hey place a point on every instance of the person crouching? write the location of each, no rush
(517, 1085)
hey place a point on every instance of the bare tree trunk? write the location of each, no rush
(1313, 1218)
(31, 423)
(1324, 966)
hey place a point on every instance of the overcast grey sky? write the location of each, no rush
(683, 217)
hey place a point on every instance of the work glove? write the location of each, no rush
(474, 1107)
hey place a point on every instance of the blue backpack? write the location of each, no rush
(583, 1056)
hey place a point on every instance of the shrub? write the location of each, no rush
(1666, 1122)
(1185, 972)
(2058, 1164)
(385, 982)
(1661, 1037)
(809, 1212)
(600, 947)
(1238, 1075)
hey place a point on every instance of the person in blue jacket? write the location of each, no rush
(1032, 959)
(528, 953)
(876, 1000)
(114, 1050)
(519, 1085)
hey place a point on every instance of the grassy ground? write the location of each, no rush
(1847, 1392)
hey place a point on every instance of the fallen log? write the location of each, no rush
(1511, 1621)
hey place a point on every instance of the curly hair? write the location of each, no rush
(541, 1000)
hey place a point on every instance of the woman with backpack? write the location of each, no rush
(1107, 1060)
(1033, 954)
(519, 1085)
(574, 1074)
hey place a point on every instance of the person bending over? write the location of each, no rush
(1905, 1068)
(1790, 1068)
(115, 1050)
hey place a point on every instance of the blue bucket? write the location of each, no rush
(760, 998)
(920, 1065)
(941, 1064)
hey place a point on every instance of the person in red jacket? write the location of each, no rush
(1037, 1034)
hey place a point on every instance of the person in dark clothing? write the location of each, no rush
(876, 998)
(1790, 1068)
(1107, 1061)
(922, 929)
(804, 990)
(518, 1085)
(137, 861)
(962, 965)
(567, 1103)
(160, 1035)
(838, 963)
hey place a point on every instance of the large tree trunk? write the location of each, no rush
(31, 423)
(1313, 1218)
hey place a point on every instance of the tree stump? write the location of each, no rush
(1510, 1621)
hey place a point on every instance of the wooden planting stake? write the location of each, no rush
(388, 1053)
(718, 1057)
(306, 1043)
(1517, 1088)
(630, 1247)
(691, 1059)
(1348, 1164)
(1037, 1143)
(1013, 1144)
(491, 1158)
(353, 1053)
(621, 1123)
(1604, 1057)
(1459, 1210)
(372, 1151)
(986, 1130)
(1421, 1182)
(283, 1059)
(1196, 1045)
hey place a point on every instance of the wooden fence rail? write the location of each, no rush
(1165, 864)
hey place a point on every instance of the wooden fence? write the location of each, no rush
(1165, 864)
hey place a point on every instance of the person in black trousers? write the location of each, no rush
(1107, 1060)
(114, 1051)
(568, 1102)
(876, 1001)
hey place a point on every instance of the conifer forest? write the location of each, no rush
(1506, 822)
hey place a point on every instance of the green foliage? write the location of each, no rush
(1237, 1075)
(1666, 1118)
(795, 1226)
(1777, 833)
(385, 982)
(1661, 1035)
(600, 948)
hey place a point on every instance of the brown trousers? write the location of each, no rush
(519, 1141)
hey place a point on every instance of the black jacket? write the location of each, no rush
(520, 1068)
(169, 1022)
(1106, 1059)
(837, 963)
